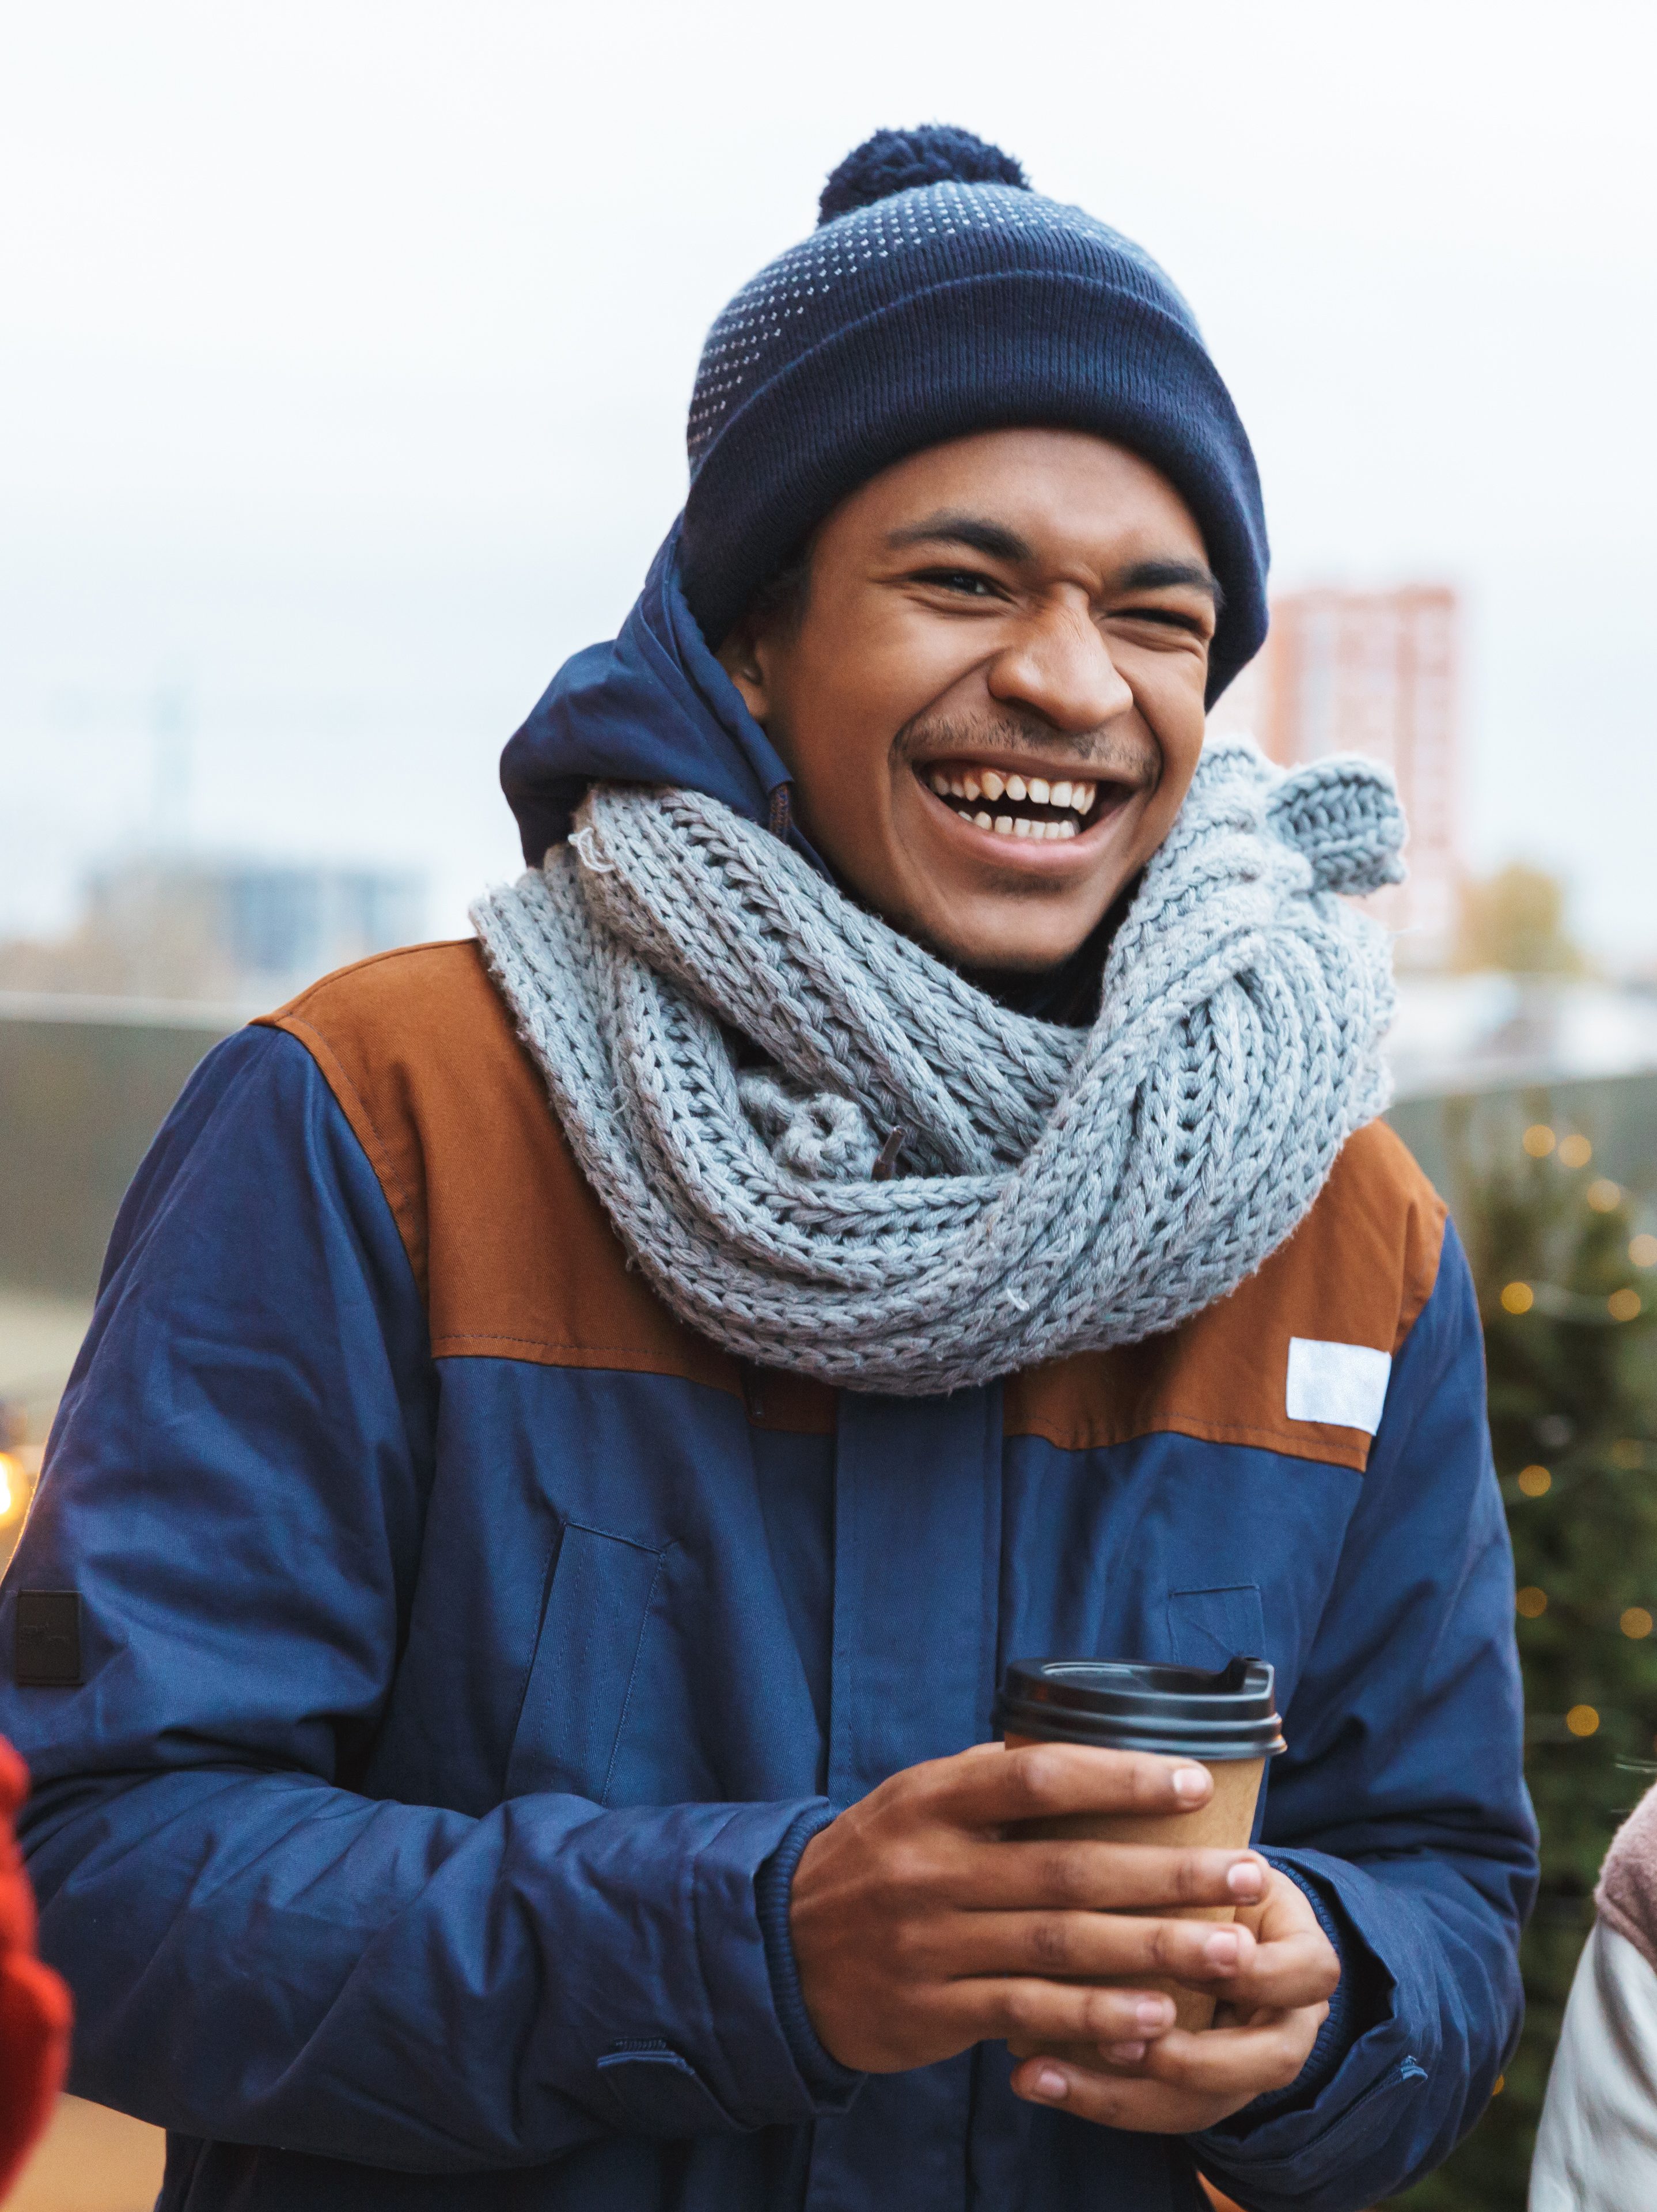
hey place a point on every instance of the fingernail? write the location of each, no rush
(1124, 2054)
(1153, 2012)
(1050, 2082)
(1222, 1949)
(1246, 1879)
(1191, 1782)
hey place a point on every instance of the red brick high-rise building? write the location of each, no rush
(1373, 672)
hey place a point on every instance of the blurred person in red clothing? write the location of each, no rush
(35, 2006)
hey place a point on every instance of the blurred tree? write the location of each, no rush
(1569, 1306)
(1515, 920)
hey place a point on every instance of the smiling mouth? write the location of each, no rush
(1002, 803)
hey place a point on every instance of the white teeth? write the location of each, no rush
(1042, 830)
(1022, 827)
(1064, 829)
(1060, 794)
(957, 788)
(1039, 789)
(1081, 796)
(981, 820)
(1015, 787)
(993, 785)
(940, 783)
(1004, 825)
(971, 785)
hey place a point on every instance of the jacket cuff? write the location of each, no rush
(829, 2083)
(1362, 1999)
(1360, 2071)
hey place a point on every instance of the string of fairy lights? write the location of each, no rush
(1625, 1304)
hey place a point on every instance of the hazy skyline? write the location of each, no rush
(346, 351)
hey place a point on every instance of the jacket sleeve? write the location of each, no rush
(1596, 2149)
(235, 1488)
(1400, 1806)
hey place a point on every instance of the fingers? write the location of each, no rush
(1282, 1975)
(1177, 2082)
(1118, 2101)
(1063, 1947)
(1108, 1877)
(1240, 2061)
(1026, 2011)
(1045, 1781)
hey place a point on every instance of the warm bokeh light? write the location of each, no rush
(1575, 1152)
(1532, 1603)
(1539, 1141)
(1582, 1720)
(1642, 1250)
(1603, 1195)
(1635, 1622)
(1624, 1305)
(1518, 1298)
(10, 1485)
(1535, 1481)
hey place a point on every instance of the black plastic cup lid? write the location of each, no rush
(1125, 1704)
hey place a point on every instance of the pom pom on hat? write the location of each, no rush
(897, 160)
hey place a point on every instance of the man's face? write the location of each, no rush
(991, 700)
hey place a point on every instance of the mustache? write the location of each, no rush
(1116, 756)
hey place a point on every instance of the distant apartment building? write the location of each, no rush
(1374, 672)
(233, 931)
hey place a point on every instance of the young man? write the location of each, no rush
(575, 1426)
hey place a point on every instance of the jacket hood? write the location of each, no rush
(650, 705)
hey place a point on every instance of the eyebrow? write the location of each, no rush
(1157, 575)
(992, 539)
(997, 543)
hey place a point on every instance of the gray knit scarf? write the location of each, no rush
(831, 1154)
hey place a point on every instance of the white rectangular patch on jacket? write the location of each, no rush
(1345, 1384)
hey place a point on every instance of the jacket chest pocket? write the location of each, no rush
(587, 1658)
(1211, 1627)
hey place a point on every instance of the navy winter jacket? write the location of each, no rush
(467, 1652)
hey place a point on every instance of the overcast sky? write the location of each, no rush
(344, 351)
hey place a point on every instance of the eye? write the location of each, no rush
(1166, 618)
(966, 581)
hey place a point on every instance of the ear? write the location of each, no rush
(743, 657)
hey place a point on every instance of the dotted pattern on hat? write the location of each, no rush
(759, 315)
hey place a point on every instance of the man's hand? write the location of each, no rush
(1272, 2003)
(921, 1927)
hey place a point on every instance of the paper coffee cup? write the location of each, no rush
(1223, 1721)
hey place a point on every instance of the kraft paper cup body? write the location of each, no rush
(1223, 1721)
(1225, 1823)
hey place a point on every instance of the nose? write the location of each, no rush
(1059, 664)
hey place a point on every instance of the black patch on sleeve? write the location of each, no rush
(48, 1651)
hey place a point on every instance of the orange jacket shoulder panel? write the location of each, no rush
(514, 1256)
(517, 1260)
(1357, 1271)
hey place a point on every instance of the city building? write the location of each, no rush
(238, 933)
(1373, 672)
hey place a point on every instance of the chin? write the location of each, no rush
(1009, 947)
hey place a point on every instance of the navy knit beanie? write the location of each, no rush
(939, 295)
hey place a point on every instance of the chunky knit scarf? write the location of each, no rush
(833, 1155)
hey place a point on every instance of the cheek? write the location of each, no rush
(1173, 713)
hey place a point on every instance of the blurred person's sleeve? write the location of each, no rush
(35, 2006)
(236, 1489)
(1596, 2149)
(1400, 1806)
